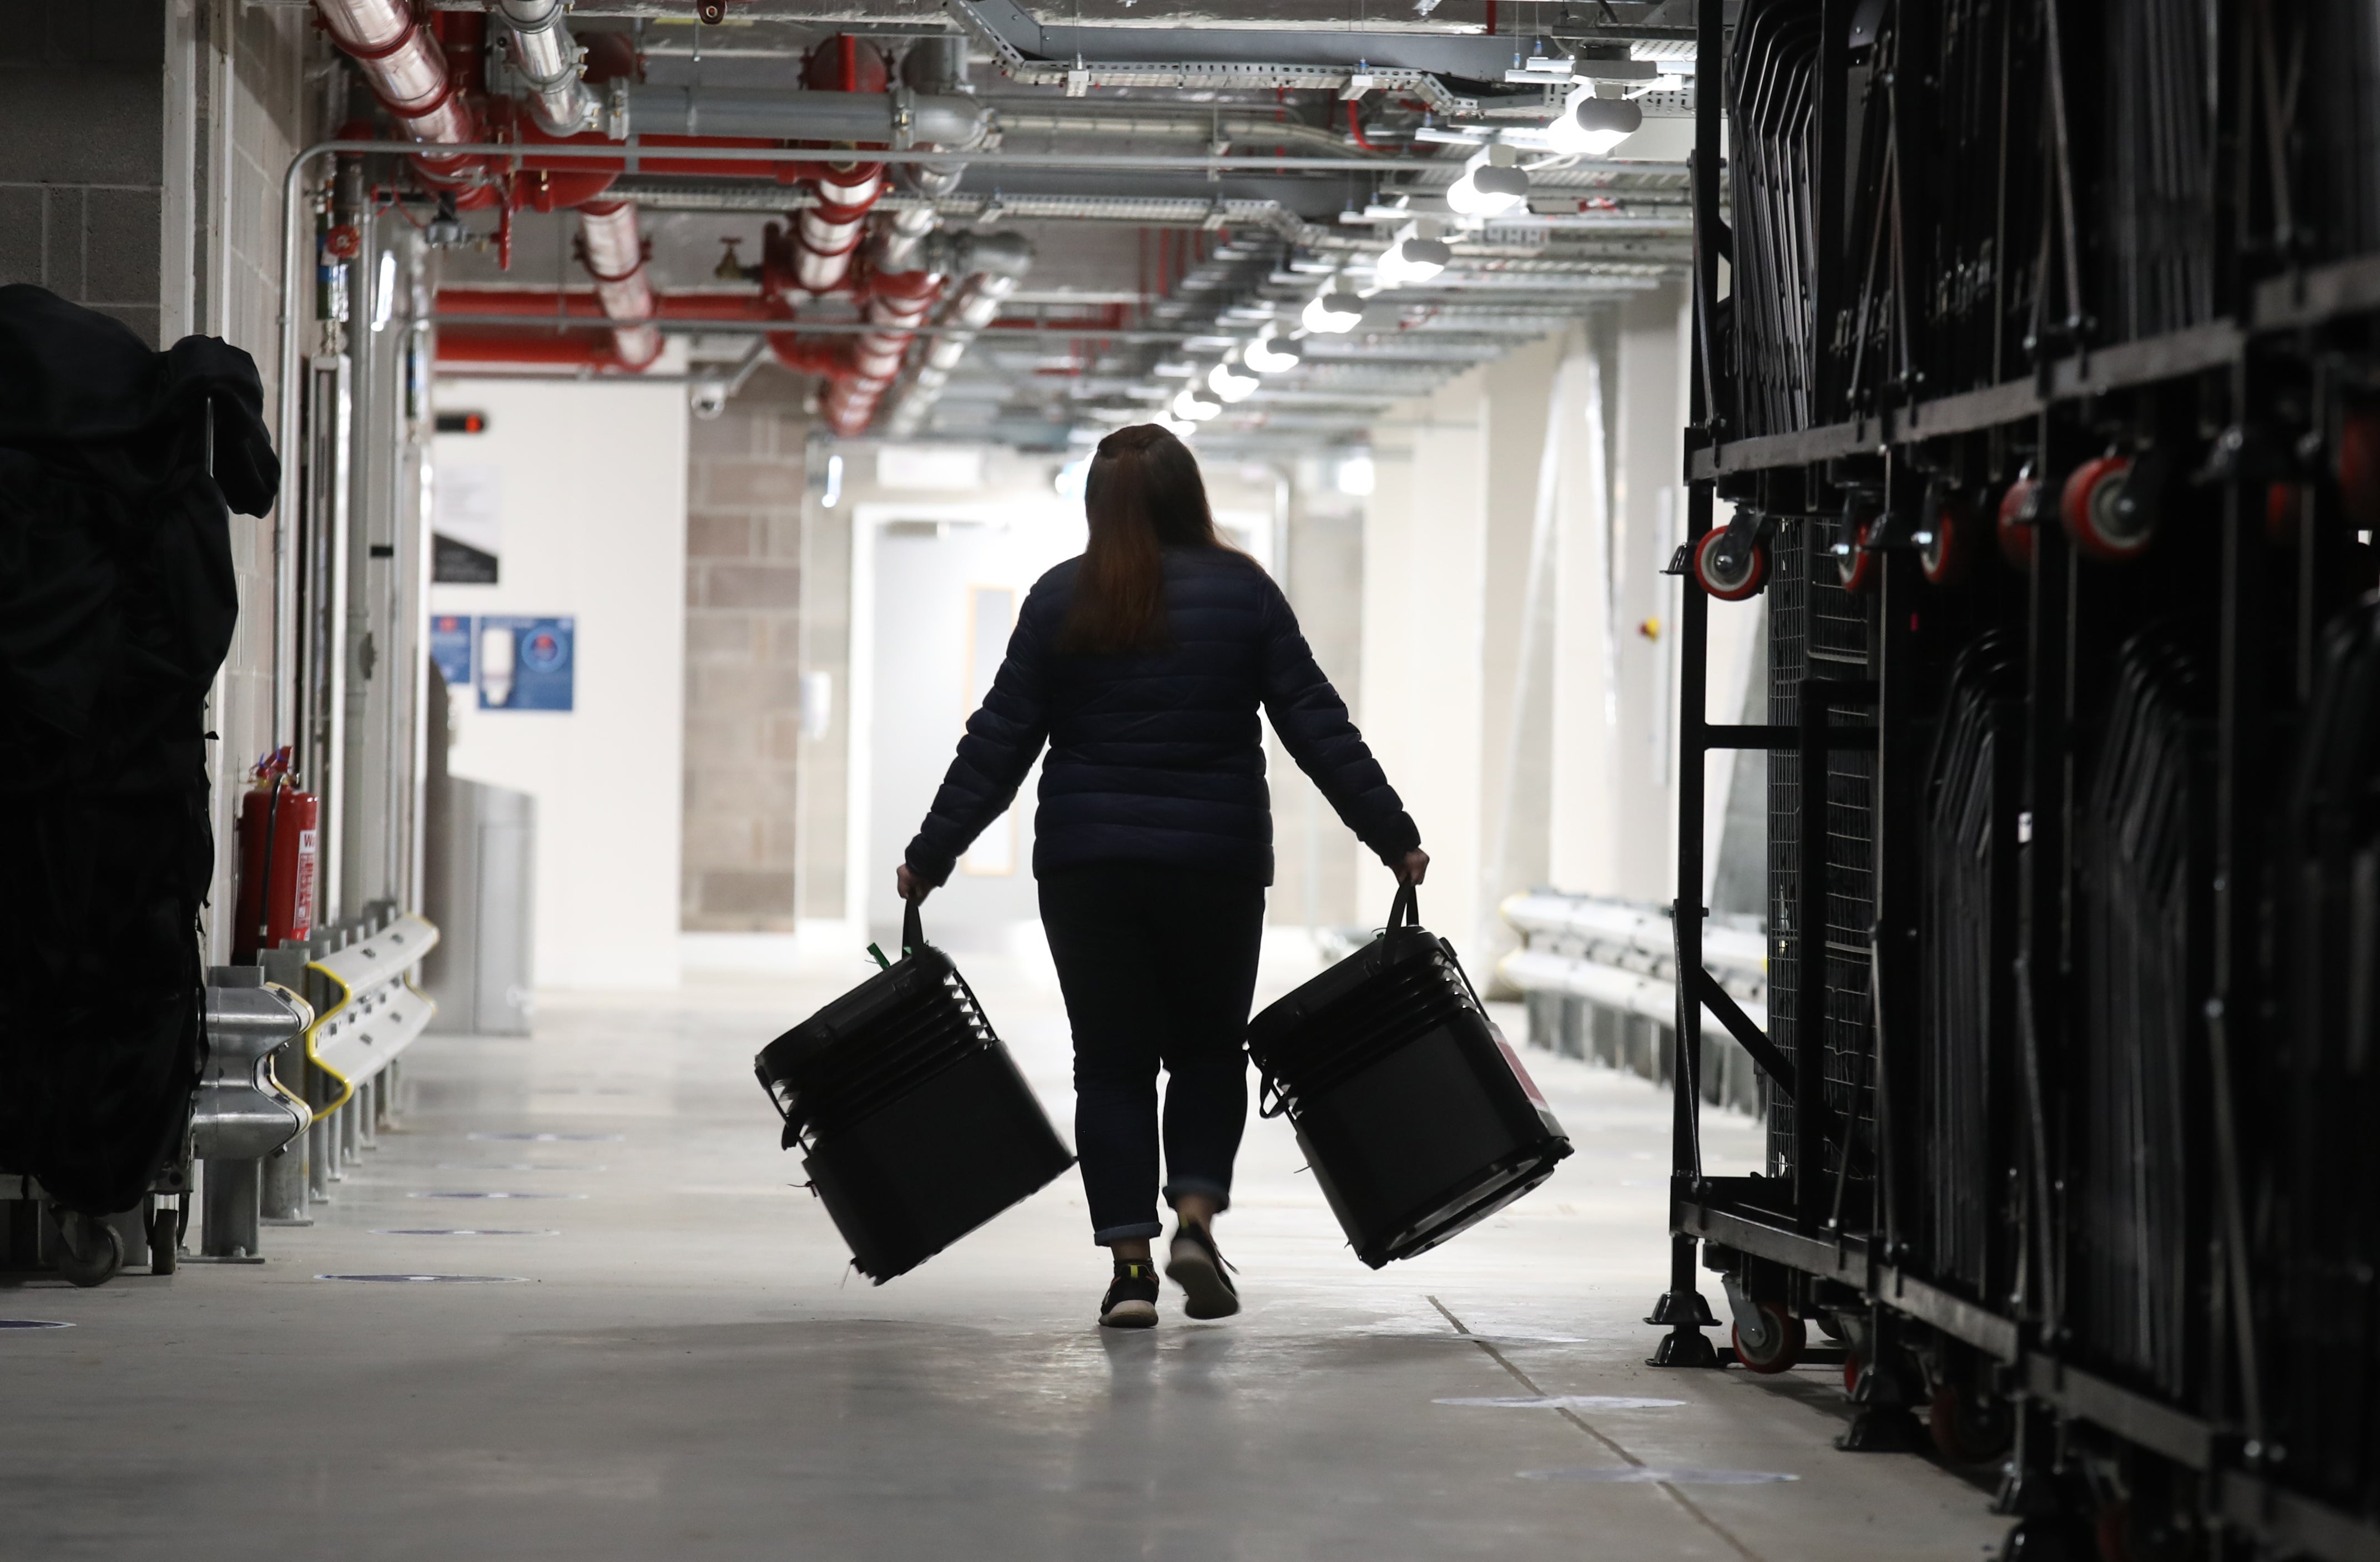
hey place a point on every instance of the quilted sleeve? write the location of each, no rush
(1001, 741)
(1314, 726)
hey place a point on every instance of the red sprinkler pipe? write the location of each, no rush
(407, 70)
(480, 344)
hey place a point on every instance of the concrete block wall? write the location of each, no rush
(141, 152)
(746, 476)
(83, 151)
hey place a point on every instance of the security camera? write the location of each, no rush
(710, 398)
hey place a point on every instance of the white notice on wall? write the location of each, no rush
(467, 520)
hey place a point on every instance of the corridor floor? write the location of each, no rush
(667, 1357)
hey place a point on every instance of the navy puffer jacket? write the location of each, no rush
(1156, 757)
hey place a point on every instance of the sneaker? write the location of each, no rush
(1202, 1273)
(1131, 1301)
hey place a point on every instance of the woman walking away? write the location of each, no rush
(1142, 664)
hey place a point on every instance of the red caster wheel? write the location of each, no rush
(2015, 528)
(1968, 1428)
(1948, 548)
(1851, 1374)
(2104, 521)
(2283, 503)
(1856, 565)
(1733, 573)
(2359, 469)
(2114, 1532)
(1779, 1345)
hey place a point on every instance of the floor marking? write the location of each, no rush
(459, 1195)
(556, 1138)
(32, 1323)
(1637, 1474)
(433, 1279)
(1565, 1401)
(1567, 1414)
(514, 1166)
(451, 1232)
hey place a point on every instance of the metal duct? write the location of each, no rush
(899, 119)
(994, 264)
(408, 73)
(546, 58)
(614, 254)
(933, 67)
(898, 306)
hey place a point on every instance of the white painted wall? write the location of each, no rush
(593, 481)
(1424, 610)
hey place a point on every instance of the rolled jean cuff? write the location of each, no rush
(1198, 1187)
(1138, 1230)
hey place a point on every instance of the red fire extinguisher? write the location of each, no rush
(277, 832)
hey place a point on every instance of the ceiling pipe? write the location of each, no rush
(898, 304)
(614, 256)
(900, 118)
(471, 344)
(994, 264)
(546, 58)
(406, 69)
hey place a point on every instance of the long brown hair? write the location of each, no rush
(1143, 493)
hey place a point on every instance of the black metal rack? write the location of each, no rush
(2046, 395)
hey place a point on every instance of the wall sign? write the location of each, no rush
(450, 648)
(527, 663)
(466, 519)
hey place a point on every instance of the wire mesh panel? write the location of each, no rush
(1788, 662)
(2136, 1233)
(1962, 1065)
(1818, 630)
(2158, 184)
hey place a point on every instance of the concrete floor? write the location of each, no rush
(685, 1369)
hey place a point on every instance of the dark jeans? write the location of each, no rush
(1158, 965)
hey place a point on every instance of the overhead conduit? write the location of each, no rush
(409, 75)
(848, 101)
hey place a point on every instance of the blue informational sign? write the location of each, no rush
(527, 663)
(450, 648)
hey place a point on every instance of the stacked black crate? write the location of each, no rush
(2137, 1196)
(2320, 1327)
(1964, 1091)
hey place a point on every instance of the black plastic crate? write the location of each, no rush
(916, 1124)
(1413, 1110)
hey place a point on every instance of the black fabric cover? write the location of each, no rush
(1157, 756)
(118, 602)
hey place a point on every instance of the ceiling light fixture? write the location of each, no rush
(1490, 185)
(1270, 355)
(1590, 126)
(1229, 384)
(1411, 259)
(1332, 312)
(1191, 408)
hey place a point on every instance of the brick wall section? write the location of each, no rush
(743, 696)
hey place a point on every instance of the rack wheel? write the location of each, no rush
(1729, 575)
(2015, 531)
(2359, 469)
(1968, 1428)
(164, 1240)
(1949, 544)
(1858, 566)
(2114, 1532)
(90, 1253)
(2104, 519)
(1851, 1374)
(2283, 503)
(1785, 1337)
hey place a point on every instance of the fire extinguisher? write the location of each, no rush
(277, 832)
